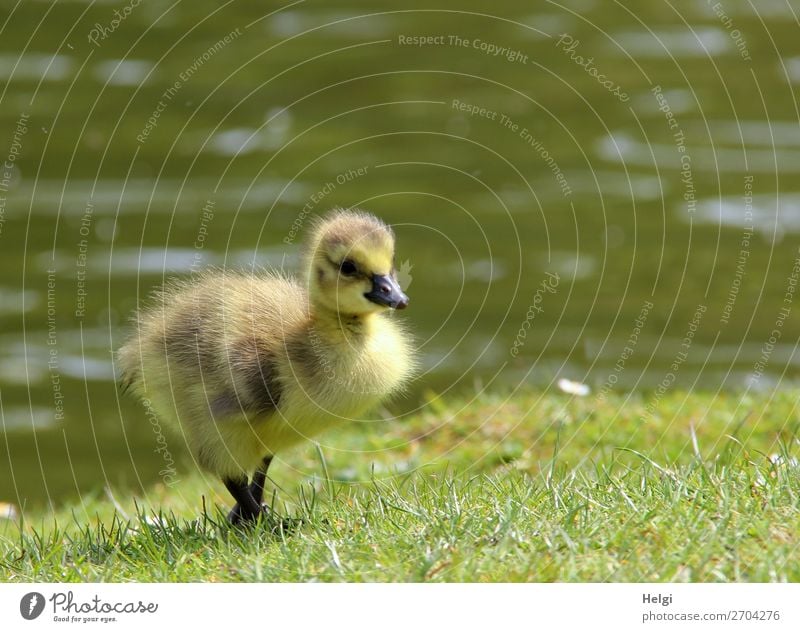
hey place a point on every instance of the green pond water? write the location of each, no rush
(605, 192)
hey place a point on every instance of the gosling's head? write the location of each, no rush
(350, 263)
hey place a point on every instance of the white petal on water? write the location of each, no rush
(573, 388)
(8, 511)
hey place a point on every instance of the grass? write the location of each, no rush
(529, 487)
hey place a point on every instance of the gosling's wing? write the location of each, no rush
(216, 338)
(259, 317)
(256, 385)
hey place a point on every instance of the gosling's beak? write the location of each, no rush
(385, 291)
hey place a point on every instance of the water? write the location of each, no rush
(654, 186)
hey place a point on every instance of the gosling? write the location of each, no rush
(248, 365)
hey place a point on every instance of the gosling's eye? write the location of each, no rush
(348, 268)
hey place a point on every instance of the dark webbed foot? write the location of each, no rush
(275, 523)
(248, 508)
(237, 518)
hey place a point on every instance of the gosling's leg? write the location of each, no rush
(246, 508)
(255, 489)
(260, 476)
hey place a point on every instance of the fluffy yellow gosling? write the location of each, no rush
(247, 365)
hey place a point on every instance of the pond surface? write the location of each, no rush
(605, 192)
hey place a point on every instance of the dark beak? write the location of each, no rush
(385, 291)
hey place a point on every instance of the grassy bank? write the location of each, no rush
(529, 487)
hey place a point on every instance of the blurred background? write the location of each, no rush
(601, 192)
